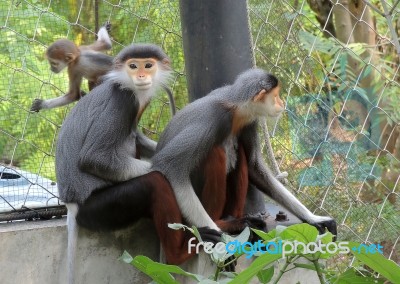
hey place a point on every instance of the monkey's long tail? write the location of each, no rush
(72, 228)
(171, 99)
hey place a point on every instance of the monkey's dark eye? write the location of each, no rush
(148, 65)
(132, 66)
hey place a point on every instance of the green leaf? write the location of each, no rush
(219, 256)
(177, 226)
(325, 238)
(258, 264)
(304, 233)
(265, 275)
(357, 49)
(387, 268)
(265, 236)
(279, 229)
(362, 93)
(350, 276)
(367, 71)
(241, 238)
(161, 273)
(196, 233)
(193, 230)
(126, 257)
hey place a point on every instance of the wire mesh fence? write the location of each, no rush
(339, 140)
(337, 61)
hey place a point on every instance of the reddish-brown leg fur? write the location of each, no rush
(121, 205)
(221, 199)
(214, 191)
(165, 210)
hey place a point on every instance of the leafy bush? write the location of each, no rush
(263, 265)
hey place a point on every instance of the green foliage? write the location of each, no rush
(28, 139)
(160, 273)
(263, 267)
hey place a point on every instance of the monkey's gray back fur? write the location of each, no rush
(204, 123)
(93, 130)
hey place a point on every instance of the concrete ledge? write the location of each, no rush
(35, 252)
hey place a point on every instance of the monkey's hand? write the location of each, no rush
(235, 226)
(255, 223)
(282, 177)
(213, 236)
(326, 223)
(37, 105)
(209, 235)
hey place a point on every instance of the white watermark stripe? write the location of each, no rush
(281, 247)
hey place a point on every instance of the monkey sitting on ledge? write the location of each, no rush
(210, 152)
(97, 150)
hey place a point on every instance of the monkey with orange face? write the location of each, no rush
(210, 152)
(99, 146)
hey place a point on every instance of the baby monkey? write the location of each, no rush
(85, 61)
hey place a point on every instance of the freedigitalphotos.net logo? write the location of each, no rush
(281, 247)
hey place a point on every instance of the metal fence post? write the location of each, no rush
(216, 42)
(217, 47)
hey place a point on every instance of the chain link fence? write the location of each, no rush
(338, 63)
(339, 139)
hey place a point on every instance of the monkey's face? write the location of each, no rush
(56, 65)
(142, 71)
(269, 103)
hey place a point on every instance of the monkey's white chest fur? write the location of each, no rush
(231, 149)
(144, 98)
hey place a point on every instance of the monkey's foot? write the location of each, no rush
(107, 25)
(213, 236)
(36, 105)
(326, 223)
(282, 177)
(235, 226)
(209, 235)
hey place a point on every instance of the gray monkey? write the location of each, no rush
(99, 144)
(217, 136)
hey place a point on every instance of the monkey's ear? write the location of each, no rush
(69, 57)
(166, 62)
(260, 96)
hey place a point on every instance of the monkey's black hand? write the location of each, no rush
(329, 224)
(209, 235)
(234, 226)
(255, 223)
(213, 236)
(107, 25)
(36, 105)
